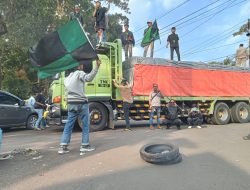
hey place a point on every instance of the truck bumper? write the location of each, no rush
(55, 116)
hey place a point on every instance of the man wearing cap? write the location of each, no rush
(76, 14)
(77, 107)
(128, 41)
(126, 94)
(151, 45)
(100, 24)
(155, 106)
(173, 40)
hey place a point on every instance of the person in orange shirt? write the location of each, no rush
(126, 94)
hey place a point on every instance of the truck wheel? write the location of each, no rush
(241, 112)
(221, 114)
(31, 121)
(98, 117)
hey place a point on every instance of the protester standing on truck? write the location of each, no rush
(195, 117)
(151, 44)
(172, 110)
(77, 15)
(100, 23)
(241, 56)
(173, 40)
(126, 94)
(77, 107)
(155, 106)
(128, 41)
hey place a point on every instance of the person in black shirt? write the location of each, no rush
(77, 14)
(173, 40)
(171, 115)
(40, 106)
(128, 41)
(100, 24)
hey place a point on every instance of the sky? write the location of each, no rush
(204, 36)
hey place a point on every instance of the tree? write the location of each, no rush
(29, 20)
(243, 29)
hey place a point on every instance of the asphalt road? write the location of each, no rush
(214, 158)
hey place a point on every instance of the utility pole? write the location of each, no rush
(248, 34)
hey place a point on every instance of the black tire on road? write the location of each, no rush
(98, 116)
(160, 154)
(31, 121)
(221, 114)
(240, 112)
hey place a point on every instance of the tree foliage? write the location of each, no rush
(243, 29)
(28, 21)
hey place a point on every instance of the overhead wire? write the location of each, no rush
(188, 16)
(165, 14)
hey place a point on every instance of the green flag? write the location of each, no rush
(61, 50)
(152, 34)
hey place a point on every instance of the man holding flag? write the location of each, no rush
(64, 49)
(150, 35)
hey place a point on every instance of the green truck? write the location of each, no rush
(209, 86)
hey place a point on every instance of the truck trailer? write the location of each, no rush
(221, 92)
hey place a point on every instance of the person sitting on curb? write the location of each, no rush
(195, 117)
(171, 115)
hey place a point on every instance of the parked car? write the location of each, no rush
(15, 113)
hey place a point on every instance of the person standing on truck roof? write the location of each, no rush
(77, 15)
(195, 117)
(151, 45)
(155, 106)
(126, 94)
(77, 107)
(173, 40)
(128, 41)
(171, 115)
(241, 56)
(100, 24)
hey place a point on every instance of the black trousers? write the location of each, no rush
(194, 121)
(177, 52)
(170, 122)
(126, 107)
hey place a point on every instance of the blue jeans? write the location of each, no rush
(43, 122)
(104, 37)
(40, 117)
(76, 110)
(156, 110)
(1, 138)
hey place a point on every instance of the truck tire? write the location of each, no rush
(31, 121)
(240, 112)
(160, 153)
(221, 114)
(98, 117)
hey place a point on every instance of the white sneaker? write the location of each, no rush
(199, 127)
(189, 127)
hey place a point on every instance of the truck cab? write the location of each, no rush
(100, 91)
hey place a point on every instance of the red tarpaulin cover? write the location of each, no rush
(181, 81)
